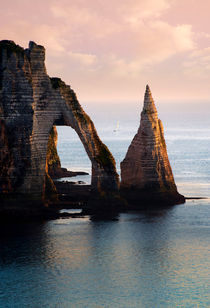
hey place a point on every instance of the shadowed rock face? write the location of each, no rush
(146, 173)
(30, 104)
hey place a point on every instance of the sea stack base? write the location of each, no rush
(142, 199)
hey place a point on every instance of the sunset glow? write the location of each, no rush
(108, 51)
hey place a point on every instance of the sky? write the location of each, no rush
(109, 50)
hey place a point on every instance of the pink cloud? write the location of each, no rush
(111, 45)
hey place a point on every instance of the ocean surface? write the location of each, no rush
(153, 259)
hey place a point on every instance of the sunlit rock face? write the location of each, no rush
(146, 173)
(31, 103)
(53, 160)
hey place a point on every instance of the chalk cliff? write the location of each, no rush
(31, 103)
(53, 160)
(146, 173)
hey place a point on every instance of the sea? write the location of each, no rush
(158, 258)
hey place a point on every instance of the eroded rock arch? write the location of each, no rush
(30, 104)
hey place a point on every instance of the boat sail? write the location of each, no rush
(117, 127)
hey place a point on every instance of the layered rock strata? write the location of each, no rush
(31, 103)
(146, 173)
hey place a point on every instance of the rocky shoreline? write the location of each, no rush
(70, 196)
(64, 173)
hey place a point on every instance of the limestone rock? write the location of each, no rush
(53, 160)
(6, 160)
(146, 173)
(31, 103)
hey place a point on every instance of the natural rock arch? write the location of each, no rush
(31, 103)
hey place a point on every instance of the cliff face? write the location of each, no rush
(6, 160)
(31, 103)
(146, 172)
(53, 160)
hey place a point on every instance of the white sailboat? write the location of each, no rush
(117, 127)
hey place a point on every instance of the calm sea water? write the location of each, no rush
(155, 259)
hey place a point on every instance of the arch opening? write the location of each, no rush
(69, 166)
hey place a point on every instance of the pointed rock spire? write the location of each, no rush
(149, 104)
(146, 172)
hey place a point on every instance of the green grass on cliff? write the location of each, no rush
(105, 157)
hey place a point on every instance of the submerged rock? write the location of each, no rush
(147, 177)
(31, 103)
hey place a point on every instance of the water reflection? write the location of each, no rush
(107, 217)
(140, 259)
(136, 250)
(19, 240)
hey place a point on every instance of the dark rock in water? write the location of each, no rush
(65, 215)
(31, 103)
(22, 208)
(64, 173)
(81, 183)
(72, 192)
(147, 177)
